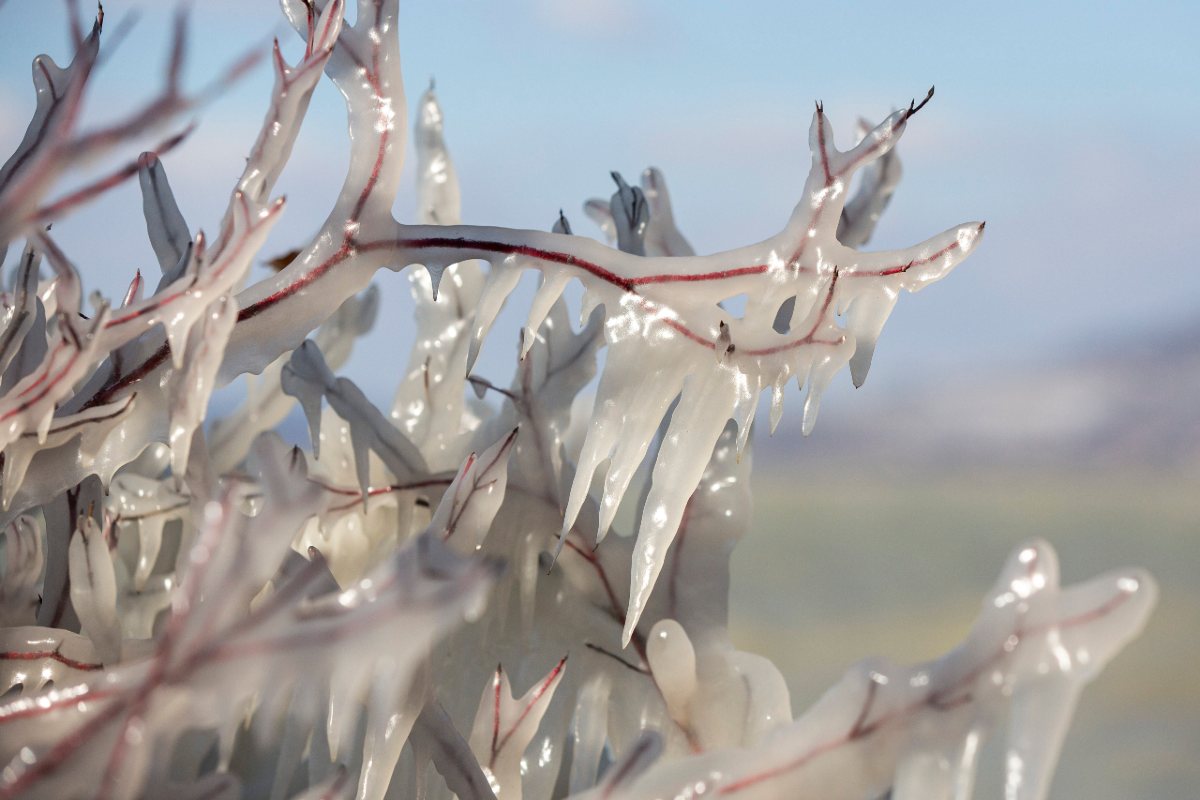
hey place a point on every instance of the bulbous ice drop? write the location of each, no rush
(673, 663)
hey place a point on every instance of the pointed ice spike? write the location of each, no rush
(589, 731)
(303, 377)
(547, 295)
(291, 750)
(134, 293)
(777, 404)
(865, 319)
(150, 532)
(94, 589)
(812, 405)
(652, 399)
(361, 447)
(704, 407)
(501, 281)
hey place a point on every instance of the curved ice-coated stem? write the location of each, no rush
(917, 729)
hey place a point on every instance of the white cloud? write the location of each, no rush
(588, 17)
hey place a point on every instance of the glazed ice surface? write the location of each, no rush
(426, 600)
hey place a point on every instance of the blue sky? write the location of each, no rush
(1069, 127)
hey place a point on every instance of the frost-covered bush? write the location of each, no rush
(426, 600)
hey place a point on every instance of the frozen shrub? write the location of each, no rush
(427, 600)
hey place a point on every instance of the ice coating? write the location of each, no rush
(504, 726)
(474, 497)
(24, 559)
(328, 616)
(94, 589)
(431, 401)
(194, 384)
(210, 633)
(917, 729)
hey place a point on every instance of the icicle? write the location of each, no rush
(24, 558)
(865, 320)
(501, 281)
(304, 378)
(547, 295)
(388, 726)
(704, 407)
(94, 589)
(192, 386)
(291, 750)
(589, 730)
(149, 543)
(777, 402)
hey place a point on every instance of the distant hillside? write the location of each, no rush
(1132, 402)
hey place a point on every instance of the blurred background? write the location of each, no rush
(1048, 388)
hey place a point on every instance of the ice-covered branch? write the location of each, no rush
(918, 730)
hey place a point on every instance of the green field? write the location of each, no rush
(840, 566)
